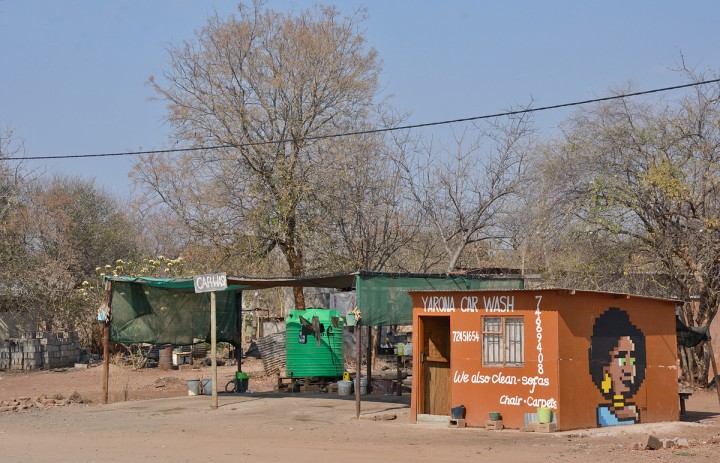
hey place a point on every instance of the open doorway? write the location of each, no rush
(434, 355)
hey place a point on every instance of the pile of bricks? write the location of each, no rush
(25, 403)
(40, 350)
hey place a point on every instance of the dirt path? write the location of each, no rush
(167, 425)
(125, 383)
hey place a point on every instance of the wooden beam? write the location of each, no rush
(399, 374)
(368, 356)
(358, 368)
(106, 362)
(213, 350)
(715, 370)
(239, 350)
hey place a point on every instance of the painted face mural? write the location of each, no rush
(617, 366)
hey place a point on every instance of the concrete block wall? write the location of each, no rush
(40, 350)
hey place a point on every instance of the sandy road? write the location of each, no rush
(160, 423)
(307, 428)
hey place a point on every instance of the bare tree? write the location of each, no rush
(69, 226)
(467, 193)
(368, 221)
(10, 176)
(266, 87)
(644, 177)
(13, 262)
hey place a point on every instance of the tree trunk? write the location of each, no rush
(295, 258)
(299, 298)
(296, 264)
(684, 363)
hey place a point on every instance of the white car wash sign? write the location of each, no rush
(210, 282)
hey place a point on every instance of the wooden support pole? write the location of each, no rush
(106, 344)
(399, 374)
(715, 370)
(691, 365)
(375, 343)
(213, 350)
(358, 369)
(239, 350)
(684, 365)
(106, 362)
(368, 356)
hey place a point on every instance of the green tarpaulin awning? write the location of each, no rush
(168, 311)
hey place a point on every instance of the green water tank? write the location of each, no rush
(314, 343)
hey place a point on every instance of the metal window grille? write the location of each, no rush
(514, 342)
(492, 341)
(503, 341)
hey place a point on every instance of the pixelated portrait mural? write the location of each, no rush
(617, 366)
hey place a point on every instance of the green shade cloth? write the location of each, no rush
(383, 300)
(145, 312)
(178, 284)
(168, 311)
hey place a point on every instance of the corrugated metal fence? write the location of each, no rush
(272, 352)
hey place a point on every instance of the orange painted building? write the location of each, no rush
(593, 358)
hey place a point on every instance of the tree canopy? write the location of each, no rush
(267, 87)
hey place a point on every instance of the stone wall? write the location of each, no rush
(42, 350)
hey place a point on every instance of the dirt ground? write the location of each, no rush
(152, 418)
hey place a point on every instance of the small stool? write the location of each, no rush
(683, 395)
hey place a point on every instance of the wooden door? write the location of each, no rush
(435, 358)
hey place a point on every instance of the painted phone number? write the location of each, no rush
(466, 336)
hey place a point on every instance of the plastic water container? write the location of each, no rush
(408, 350)
(344, 387)
(193, 386)
(544, 415)
(241, 381)
(458, 413)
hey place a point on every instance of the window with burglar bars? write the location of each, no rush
(502, 341)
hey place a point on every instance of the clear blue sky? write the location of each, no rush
(73, 73)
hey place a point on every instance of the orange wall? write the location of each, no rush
(508, 390)
(657, 398)
(566, 321)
